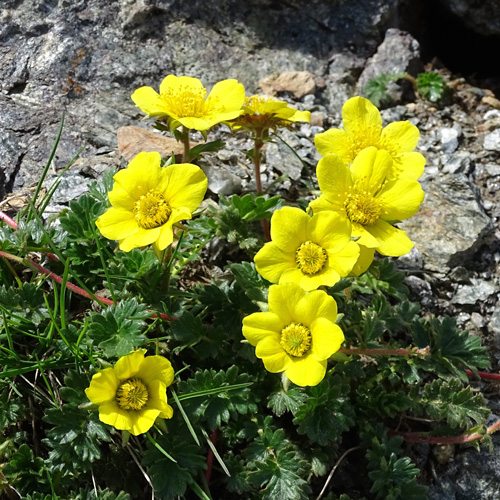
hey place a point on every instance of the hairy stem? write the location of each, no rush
(185, 142)
(258, 143)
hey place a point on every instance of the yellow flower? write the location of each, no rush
(262, 113)
(148, 199)
(297, 335)
(133, 394)
(372, 203)
(362, 128)
(183, 101)
(308, 251)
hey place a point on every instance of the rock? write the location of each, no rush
(280, 157)
(221, 181)
(483, 17)
(449, 138)
(299, 83)
(492, 141)
(399, 52)
(133, 140)
(478, 291)
(451, 223)
(459, 163)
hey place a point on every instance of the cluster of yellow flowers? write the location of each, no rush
(368, 180)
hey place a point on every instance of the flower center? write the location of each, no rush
(185, 102)
(151, 210)
(310, 258)
(257, 103)
(362, 207)
(132, 394)
(296, 339)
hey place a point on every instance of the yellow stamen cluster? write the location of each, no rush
(151, 210)
(296, 339)
(310, 258)
(186, 101)
(132, 394)
(257, 103)
(364, 137)
(361, 207)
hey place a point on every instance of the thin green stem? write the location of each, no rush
(185, 142)
(258, 143)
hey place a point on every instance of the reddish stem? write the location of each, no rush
(210, 457)
(11, 222)
(421, 437)
(484, 375)
(71, 286)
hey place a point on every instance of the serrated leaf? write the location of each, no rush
(283, 401)
(25, 471)
(26, 302)
(171, 479)
(219, 407)
(118, 329)
(326, 413)
(79, 220)
(458, 405)
(74, 437)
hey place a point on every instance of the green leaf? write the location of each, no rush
(207, 147)
(26, 302)
(171, 479)
(458, 405)
(25, 471)
(74, 438)
(249, 280)
(326, 413)
(290, 400)
(431, 86)
(219, 407)
(118, 329)
(79, 220)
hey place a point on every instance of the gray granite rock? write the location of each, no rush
(399, 52)
(477, 291)
(492, 140)
(451, 223)
(482, 17)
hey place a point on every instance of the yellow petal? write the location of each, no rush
(271, 262)
(327, 338)
(337, 142)
(112, 414)
(103, 387)
(408, 166)
(301, 116)
(317, 304)
(142, 238)
(176, 83)
(344, 260)
(283, 300)
(365, 260)
(327, 277)
(148, 101)
(166, 235)
(183, 185)
(393, 241)
(142, 174)
(122, 199)
(258, 326)
(156, 368)
(400, 137)
(400, 199)
(334, 179)
(194, 123)
(329, 230)
(157, 398)
(272, 354)
(364, 235)
(289, 228)
(227, 96)
(117, 224)
(321, 204)
(129, 365)
(306, 371)
(362, 119)
(370, 168)
(143, 420)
